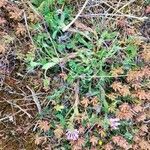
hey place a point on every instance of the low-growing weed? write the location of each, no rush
(93, 77)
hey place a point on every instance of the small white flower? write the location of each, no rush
(72, 134)
(114, 123)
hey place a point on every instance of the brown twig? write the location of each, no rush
(114, 15)
(36, 100)
(65, 28)
(17, 106)
(76, 94)
(26, 24)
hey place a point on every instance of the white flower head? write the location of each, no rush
(114, 123)
(72, 134)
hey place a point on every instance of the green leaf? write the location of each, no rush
(128, 135)
(61, 1)
(34, 64)
(108, 35)
(104, 102)
(59, 107)
(62, 119)
(106, 122)
(56, 94)
(56, 60)
(46, 83)
(36, 2)
(49, 65)
(131, 50)
(94, 119)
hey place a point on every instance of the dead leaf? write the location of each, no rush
(76, 147)
(82, 26)
(112, 96)
(43, 125)
(85, 102)
(146, 53)
(94, 140)
(136, 85)
(144, 145)
(147, 10)
(3, 3)
(93, 148)
(141, 94)
(144, 128)
(136, 138)
(133, 75)
(141, 117)
(40, 139)
(108, 146)
(49, 147)
(120, 141)
(58, 132)
(32, 17)
(135, 146)
(94, 101)
(130, 31)
(124, 111)
(20, 30)
(124, 91)
(63, 75)
(2, 48)
(146, 70)
(121, 23)
(16, 14)
(81, 142)
(116, 86)
(102, 133)
(81, 130)
(2, 21)
(117, 71)
(137, 108)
